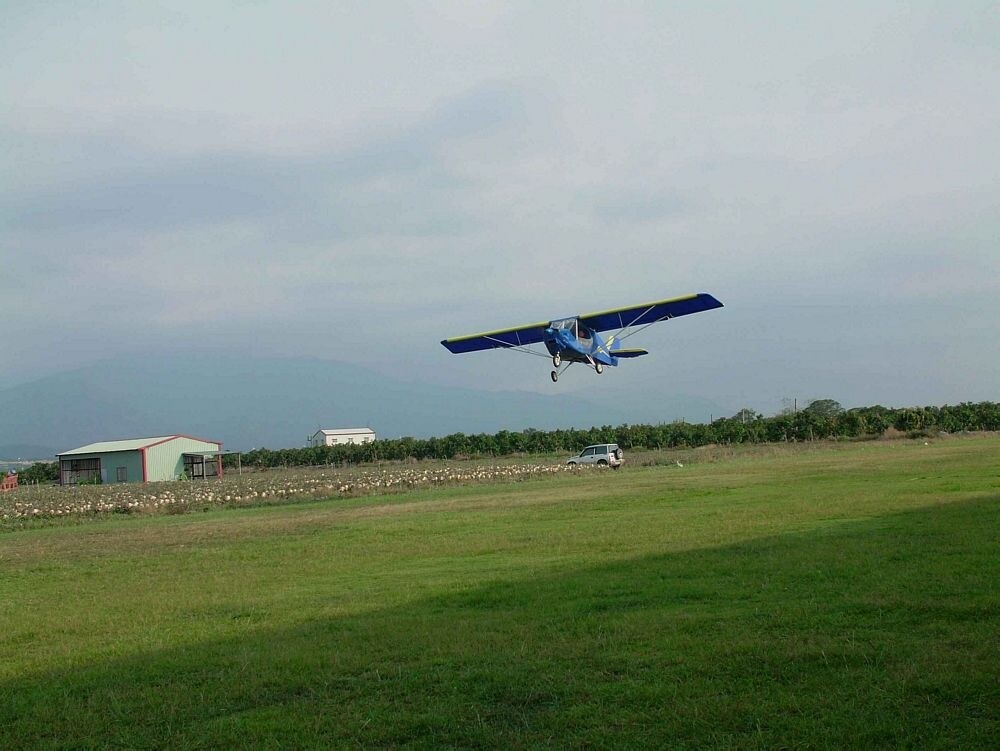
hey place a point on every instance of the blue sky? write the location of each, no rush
(356, 181)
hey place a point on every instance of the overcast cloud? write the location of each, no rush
(358, 181)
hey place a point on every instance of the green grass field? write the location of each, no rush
(839, 597)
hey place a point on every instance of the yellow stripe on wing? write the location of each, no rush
(641, 306)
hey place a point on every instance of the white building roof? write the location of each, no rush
(344, 431)
(131, 444)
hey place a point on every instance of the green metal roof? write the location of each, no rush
(103, 447)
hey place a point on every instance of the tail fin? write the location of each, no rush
(628, 353)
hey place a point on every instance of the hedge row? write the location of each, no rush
(746, 427)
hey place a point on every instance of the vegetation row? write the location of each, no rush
(823, 419)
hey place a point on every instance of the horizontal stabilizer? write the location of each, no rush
(628, 353)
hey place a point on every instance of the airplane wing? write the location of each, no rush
(650, 312)
(516, 337)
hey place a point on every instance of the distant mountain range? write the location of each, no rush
(277, 403)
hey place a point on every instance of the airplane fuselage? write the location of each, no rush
(587, 348)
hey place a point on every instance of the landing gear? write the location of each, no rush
(554, 375)
(599, 367)
(556, 360)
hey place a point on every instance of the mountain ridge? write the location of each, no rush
(252, 402)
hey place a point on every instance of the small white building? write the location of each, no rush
(341, 436)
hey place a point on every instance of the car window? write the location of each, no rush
(588, 452)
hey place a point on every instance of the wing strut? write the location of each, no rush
(516, 347)
(617, 336)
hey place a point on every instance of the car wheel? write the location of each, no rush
(602, 462)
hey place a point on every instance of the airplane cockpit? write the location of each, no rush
(580, 333)
(568, 324)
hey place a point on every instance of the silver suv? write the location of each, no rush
(603, 454)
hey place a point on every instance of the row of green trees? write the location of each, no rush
(822, 419)
(40, 472)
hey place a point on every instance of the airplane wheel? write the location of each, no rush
(555, 376)
(556, 360)
(599, 367)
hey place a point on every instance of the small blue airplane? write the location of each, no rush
(576, 339)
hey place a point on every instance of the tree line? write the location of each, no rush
(820, 420)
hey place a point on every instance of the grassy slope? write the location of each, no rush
(841, 598)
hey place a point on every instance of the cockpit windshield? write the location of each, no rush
(580, 333)
(566, 323)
